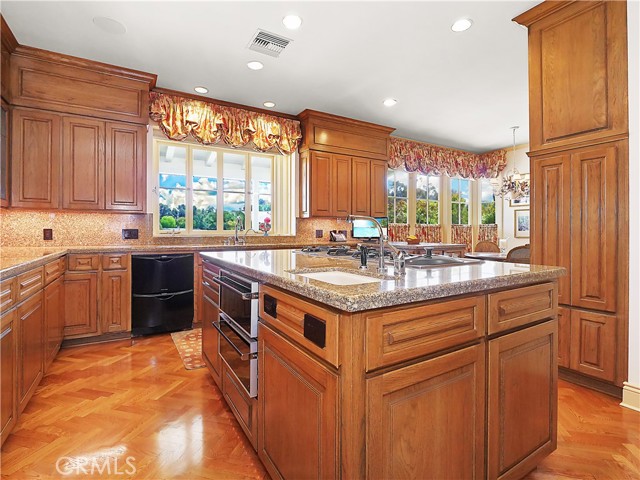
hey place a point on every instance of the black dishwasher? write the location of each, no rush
(161, 293)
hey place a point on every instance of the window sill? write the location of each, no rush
(231, 233)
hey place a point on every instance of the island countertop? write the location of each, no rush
(282, 268)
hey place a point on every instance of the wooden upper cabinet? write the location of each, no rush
(341, 185)
(594, 228)
(577, 72)
(35, 159)
(378, 188)
(52, 81)
(4, 155)
(551, 217)
(360, 186)
(126, 160)
(83, 163)
(334, 134)
(320, 181)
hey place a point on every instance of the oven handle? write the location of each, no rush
(244, 295)
(243, 356)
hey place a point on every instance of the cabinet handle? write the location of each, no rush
(5, 333)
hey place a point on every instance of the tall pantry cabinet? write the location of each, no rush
(578, 119)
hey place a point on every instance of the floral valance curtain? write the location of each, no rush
(435, 160)
(210, 123)
(398, 232)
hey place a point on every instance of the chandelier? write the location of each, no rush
(514, 184)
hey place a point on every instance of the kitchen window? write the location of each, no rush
(397, 196)
(460, 199)
(202, 190)
(487, 202)
(427, 199)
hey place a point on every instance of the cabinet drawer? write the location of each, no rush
(209, 271)
(211, 291)
(522, 306)
(81, 262)
(289, 315)
(53, 270)
(8, 293)
(403, 334)
(115, 261)
(29, 283)
(243, 407)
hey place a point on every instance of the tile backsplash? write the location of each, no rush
(24, 228)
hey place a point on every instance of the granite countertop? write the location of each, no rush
(281, 268)
(17, 260)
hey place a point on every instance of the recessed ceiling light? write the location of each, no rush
(390, 102)
(110, 25)
(255, 65)
(292, 22)
(462, 25)
(201, 89)
(269, 104)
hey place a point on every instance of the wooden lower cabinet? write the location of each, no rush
(243, 407)
(30, 347)
(522, 392)
(298, 412)
(115, 306)
(81, 304)
(54, 319)
(211, 339)
(427, 420)
(8, 354)
(593, 344)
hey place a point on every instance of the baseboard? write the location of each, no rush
(631, 396)
(590, 382)
(107, 337)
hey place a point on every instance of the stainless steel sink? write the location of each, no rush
(425, 261)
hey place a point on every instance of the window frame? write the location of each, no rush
(189, 231)
(468, 203)
(481, 182)
(428, 200)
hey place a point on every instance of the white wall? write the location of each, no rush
(505, 218)
(632, 396)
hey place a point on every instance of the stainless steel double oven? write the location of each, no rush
(238, 327)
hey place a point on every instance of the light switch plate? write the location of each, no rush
(129, 233)
(319, 233)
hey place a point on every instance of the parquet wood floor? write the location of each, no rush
(116, 400)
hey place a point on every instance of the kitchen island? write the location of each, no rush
(445, 372)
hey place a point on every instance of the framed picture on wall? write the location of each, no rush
(522, 223)
(519, 202)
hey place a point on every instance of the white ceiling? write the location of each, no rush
(461, 90)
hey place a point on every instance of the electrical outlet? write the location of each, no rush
(319, 233)
(129, 233)
(47, 233)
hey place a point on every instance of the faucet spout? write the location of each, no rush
(398, 255)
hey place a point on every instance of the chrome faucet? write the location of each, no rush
(239, 226)
(397, 255)
(244, 235)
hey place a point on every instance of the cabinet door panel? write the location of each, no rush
(551, 217)
(54, 319)
(81, 304)
(115, 313)
(83, 164)
(361, 186)
(522, 418)
(4, 153)
(8, 365)
(578, 74)
(564, 337)
(298, 403)
(320, 193)
(593, 228)
(447, 395)
(126, 167)
(30, 347)
(35, 159)
(378, 188)
(341, 185)
(593, 343)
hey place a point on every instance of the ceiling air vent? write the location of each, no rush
(268, 43)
